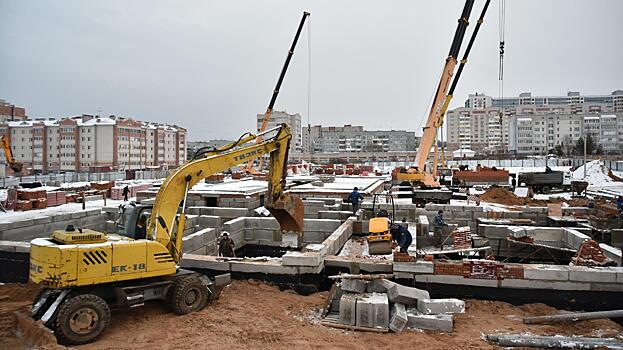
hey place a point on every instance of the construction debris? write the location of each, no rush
(558, 342)
(573, 316)
(590, 254)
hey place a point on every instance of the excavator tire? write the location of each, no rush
(187, 295)
(81, 319)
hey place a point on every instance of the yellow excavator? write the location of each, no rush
(8, 153)
(84, 273)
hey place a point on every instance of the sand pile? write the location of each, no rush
(501, 195)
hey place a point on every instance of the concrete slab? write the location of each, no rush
(372, 310)
(546, 272)
(441, 306)
(406, 295)
(294, 258)
(593, 274)
(415, 267)
(398, 318)
(354, 285)
(379, 286)
(442, 323)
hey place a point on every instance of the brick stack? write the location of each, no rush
(590, 254)
(480, 269)
(40, 203)
(56, 198)
(461, 238)
(31, 199)
(117, 192)
(103, 186)
(22, 205)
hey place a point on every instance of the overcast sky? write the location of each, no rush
(211, 66)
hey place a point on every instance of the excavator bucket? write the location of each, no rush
(16, 167)
(289, 212)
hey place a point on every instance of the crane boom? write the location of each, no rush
(282, 75)
(286, 209)
(430, 130)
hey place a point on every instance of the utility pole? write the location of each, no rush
(584, 157)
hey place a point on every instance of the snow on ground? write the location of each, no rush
(12, 216)
(596, 173)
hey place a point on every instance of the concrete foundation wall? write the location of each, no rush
(43, 226)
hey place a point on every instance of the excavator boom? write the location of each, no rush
(164, 225)
(15, 166)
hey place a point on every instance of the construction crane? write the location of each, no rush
(8, 153)
(273, 99)
(443, 96)
(85, 272)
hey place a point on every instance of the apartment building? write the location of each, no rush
(292, 120)
(91, 143)
(9, 111)
(483, 123)
(537, 134)
(353, 138)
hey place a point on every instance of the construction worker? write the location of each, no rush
(141, 228)
(226, 245)
(619, 203)
(126, 191)
(402, 236)
(439, 224)
(354, 198)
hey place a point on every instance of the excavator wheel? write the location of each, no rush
(187, 295)
(81, 319)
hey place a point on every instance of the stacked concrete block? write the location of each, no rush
(348, 309)
(406, 295)
(338, 238)
(422, 226)
(398, 318)
(442, 323)
(417, 267)
(316, 248)
(440, 306)
(354, 285)
(312, 207)
(372, 311)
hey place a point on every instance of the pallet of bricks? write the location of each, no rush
(31, 198)
(103, 187)
(117, 191)
(56, 198)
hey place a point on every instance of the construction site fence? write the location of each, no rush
(615, 165)
(85, 177)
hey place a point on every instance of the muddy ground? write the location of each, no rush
(254, 315)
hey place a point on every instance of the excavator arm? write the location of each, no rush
(15, 166)
(167, 228)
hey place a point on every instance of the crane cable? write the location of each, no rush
(502, 25)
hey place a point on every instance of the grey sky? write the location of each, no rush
(210, 66)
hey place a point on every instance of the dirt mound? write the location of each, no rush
(255, 315)
(501, 195)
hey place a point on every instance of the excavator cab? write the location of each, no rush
(380, 237)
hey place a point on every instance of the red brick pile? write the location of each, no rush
(480, 269)
(590, 254)
(28, 199)
(56, 198)
(461, 239)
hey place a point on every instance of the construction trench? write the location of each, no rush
(522, 255)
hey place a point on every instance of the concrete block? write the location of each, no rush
(442, 323)
(398, 318)
(593, 274)
(77, 214)
(7, 246)
(234, 225)
(294, 258)
(316, 248)
(264, 267)
(415, 267)
(42, 220)
(376, 266)
(456, 280)
(406, 295)
(348, 309)
(546, 272)
(372, 311)
(315, 236)
(291, 239)
(323, 225)
(549, 285)
(354, 285)
(441, 306)
(22, 247)
(209, 221)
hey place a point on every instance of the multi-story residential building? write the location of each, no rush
(292, 120)
(91, 143)
(349, 138)
(482, 124)
(538, 134)
(11, 112)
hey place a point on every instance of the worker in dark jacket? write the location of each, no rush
(354, 198)
(402, 236)
(439, 223)
(226, 245)
(126, 191)
(619, 203)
